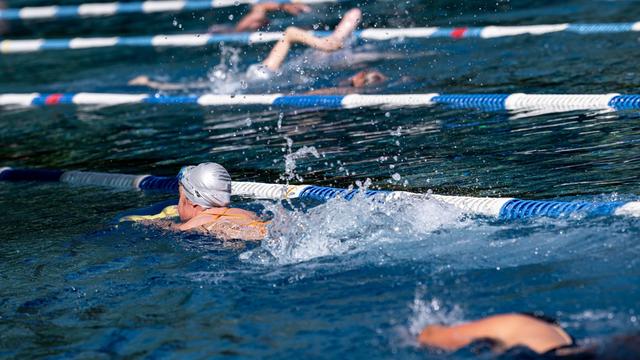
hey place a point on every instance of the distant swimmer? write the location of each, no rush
(258, 17)
(293, 35)
(525, 335)
(360, 82)
(268, 68)
(203, 206)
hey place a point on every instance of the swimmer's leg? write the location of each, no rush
(294, 35)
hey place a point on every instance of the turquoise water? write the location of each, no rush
(339, 279)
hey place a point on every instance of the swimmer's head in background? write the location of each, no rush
(207, 185)
(367, 78)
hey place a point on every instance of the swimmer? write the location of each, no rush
(257, 16)
(265, 70)
(357, 83)
(203, 206)
(503, 332)
(523, 335)
(293, 35)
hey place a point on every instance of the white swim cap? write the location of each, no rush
(207, 184)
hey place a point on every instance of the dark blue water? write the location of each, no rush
(332, 280)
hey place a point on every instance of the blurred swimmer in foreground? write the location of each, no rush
(258, 17)
(203, 206)
(524, 335)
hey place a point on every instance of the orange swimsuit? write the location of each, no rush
(231, 223)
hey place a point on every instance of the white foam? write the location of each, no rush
(340, 227)
(629, 209)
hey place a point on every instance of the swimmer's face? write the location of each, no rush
(186, 209)
(367, 78)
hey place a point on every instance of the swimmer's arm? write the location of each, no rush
(159, 85)
(447, 338)
(457, 336)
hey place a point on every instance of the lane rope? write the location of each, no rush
(372, 34)
(509, 102)
(501, 208)
(145, 7)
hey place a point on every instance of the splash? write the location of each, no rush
(291, 157)
(426, 312)
(223, 77)
(341, 227)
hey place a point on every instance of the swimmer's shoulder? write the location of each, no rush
(232, 212)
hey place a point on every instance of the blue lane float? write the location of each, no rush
(115, 8)
(510, 102)
(501, 208)
(372, 34)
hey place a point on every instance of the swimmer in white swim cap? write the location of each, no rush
(205, 195)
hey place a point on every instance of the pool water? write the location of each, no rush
(338, 279)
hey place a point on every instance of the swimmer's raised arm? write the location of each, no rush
(506, 330)
(294, 35)
(456, 336)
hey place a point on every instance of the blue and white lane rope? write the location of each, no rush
(114, 8)
(373, 34)
(502, 208)
(515, 102)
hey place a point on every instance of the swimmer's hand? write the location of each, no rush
(141, 80)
